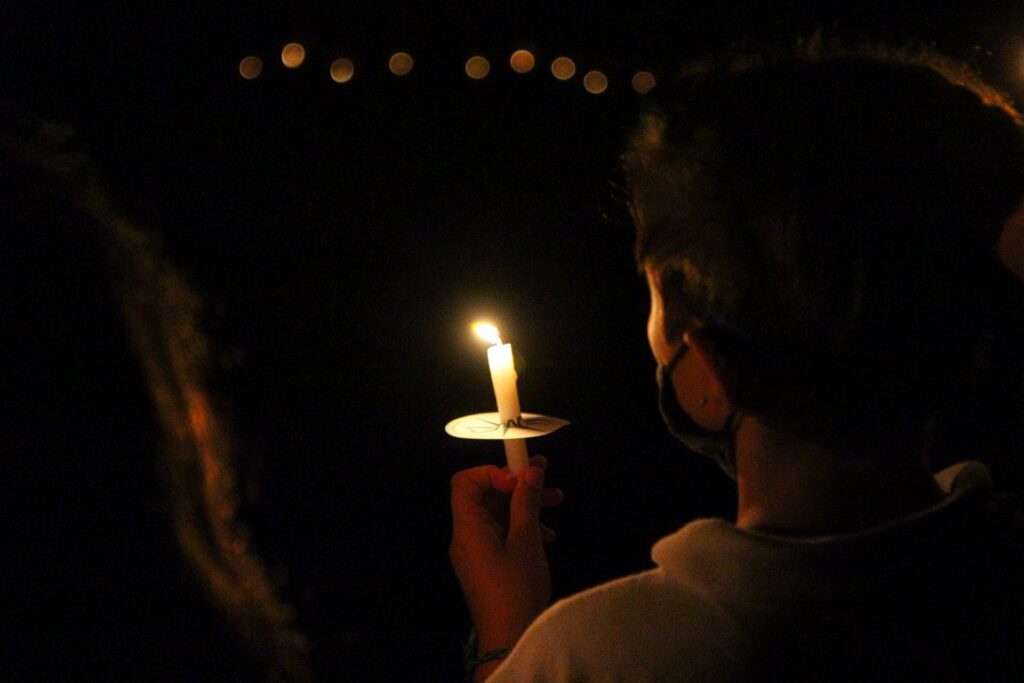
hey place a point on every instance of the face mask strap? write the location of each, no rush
(676, 357)
(720, 445)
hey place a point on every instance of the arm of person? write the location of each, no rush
(497, 551)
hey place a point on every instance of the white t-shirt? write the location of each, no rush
(726, 604)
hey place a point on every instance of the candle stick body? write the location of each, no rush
(516, 455)
(503, 377)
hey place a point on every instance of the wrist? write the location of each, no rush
(485, 670)
(480, 660)
(495, 641)
(497, 627)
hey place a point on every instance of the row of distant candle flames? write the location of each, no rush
(477, 67)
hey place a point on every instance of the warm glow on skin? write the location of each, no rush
(342, 70)
(293, 55)
(522, 61)
(400, 63)
(487, 332)
(595, 82)
(477, 67)
(644, 82)
(250, 67)
(563, 68)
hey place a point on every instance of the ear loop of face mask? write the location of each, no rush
(719, 446)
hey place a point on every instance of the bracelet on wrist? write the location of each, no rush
(471, 660)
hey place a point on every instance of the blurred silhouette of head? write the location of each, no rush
(127, 559)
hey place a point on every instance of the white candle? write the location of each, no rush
(503, 377)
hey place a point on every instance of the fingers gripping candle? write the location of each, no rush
(503, 377)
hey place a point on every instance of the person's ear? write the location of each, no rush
(705, 378)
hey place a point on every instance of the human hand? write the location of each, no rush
(497, 548)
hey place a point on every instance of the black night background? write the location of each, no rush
(343, 237)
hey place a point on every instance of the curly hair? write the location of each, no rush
(829, 218)
(159, 314)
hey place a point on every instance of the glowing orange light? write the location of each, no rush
(400, 63)
(342, 70)
(595, 82)
(293, 55)
(563, 68)
(521, 61)
(487, 332)
(644, 82)
(251, 67)
(477, 67)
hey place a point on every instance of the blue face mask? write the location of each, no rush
(719, 446)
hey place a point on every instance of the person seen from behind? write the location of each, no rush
(828, 239)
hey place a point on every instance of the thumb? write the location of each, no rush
(524, 514)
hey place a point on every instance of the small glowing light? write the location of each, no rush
(595, 82)
(521, 61)
(563, 68)
(644, 82)
(293, 55)
(251, 67)
(477, 67)
(342, 70)
(487, 332)
(400, 63)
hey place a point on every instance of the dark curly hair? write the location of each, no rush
(829, 219)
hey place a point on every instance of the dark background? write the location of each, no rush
(343, 238)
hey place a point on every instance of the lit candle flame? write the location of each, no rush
(488, 333)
